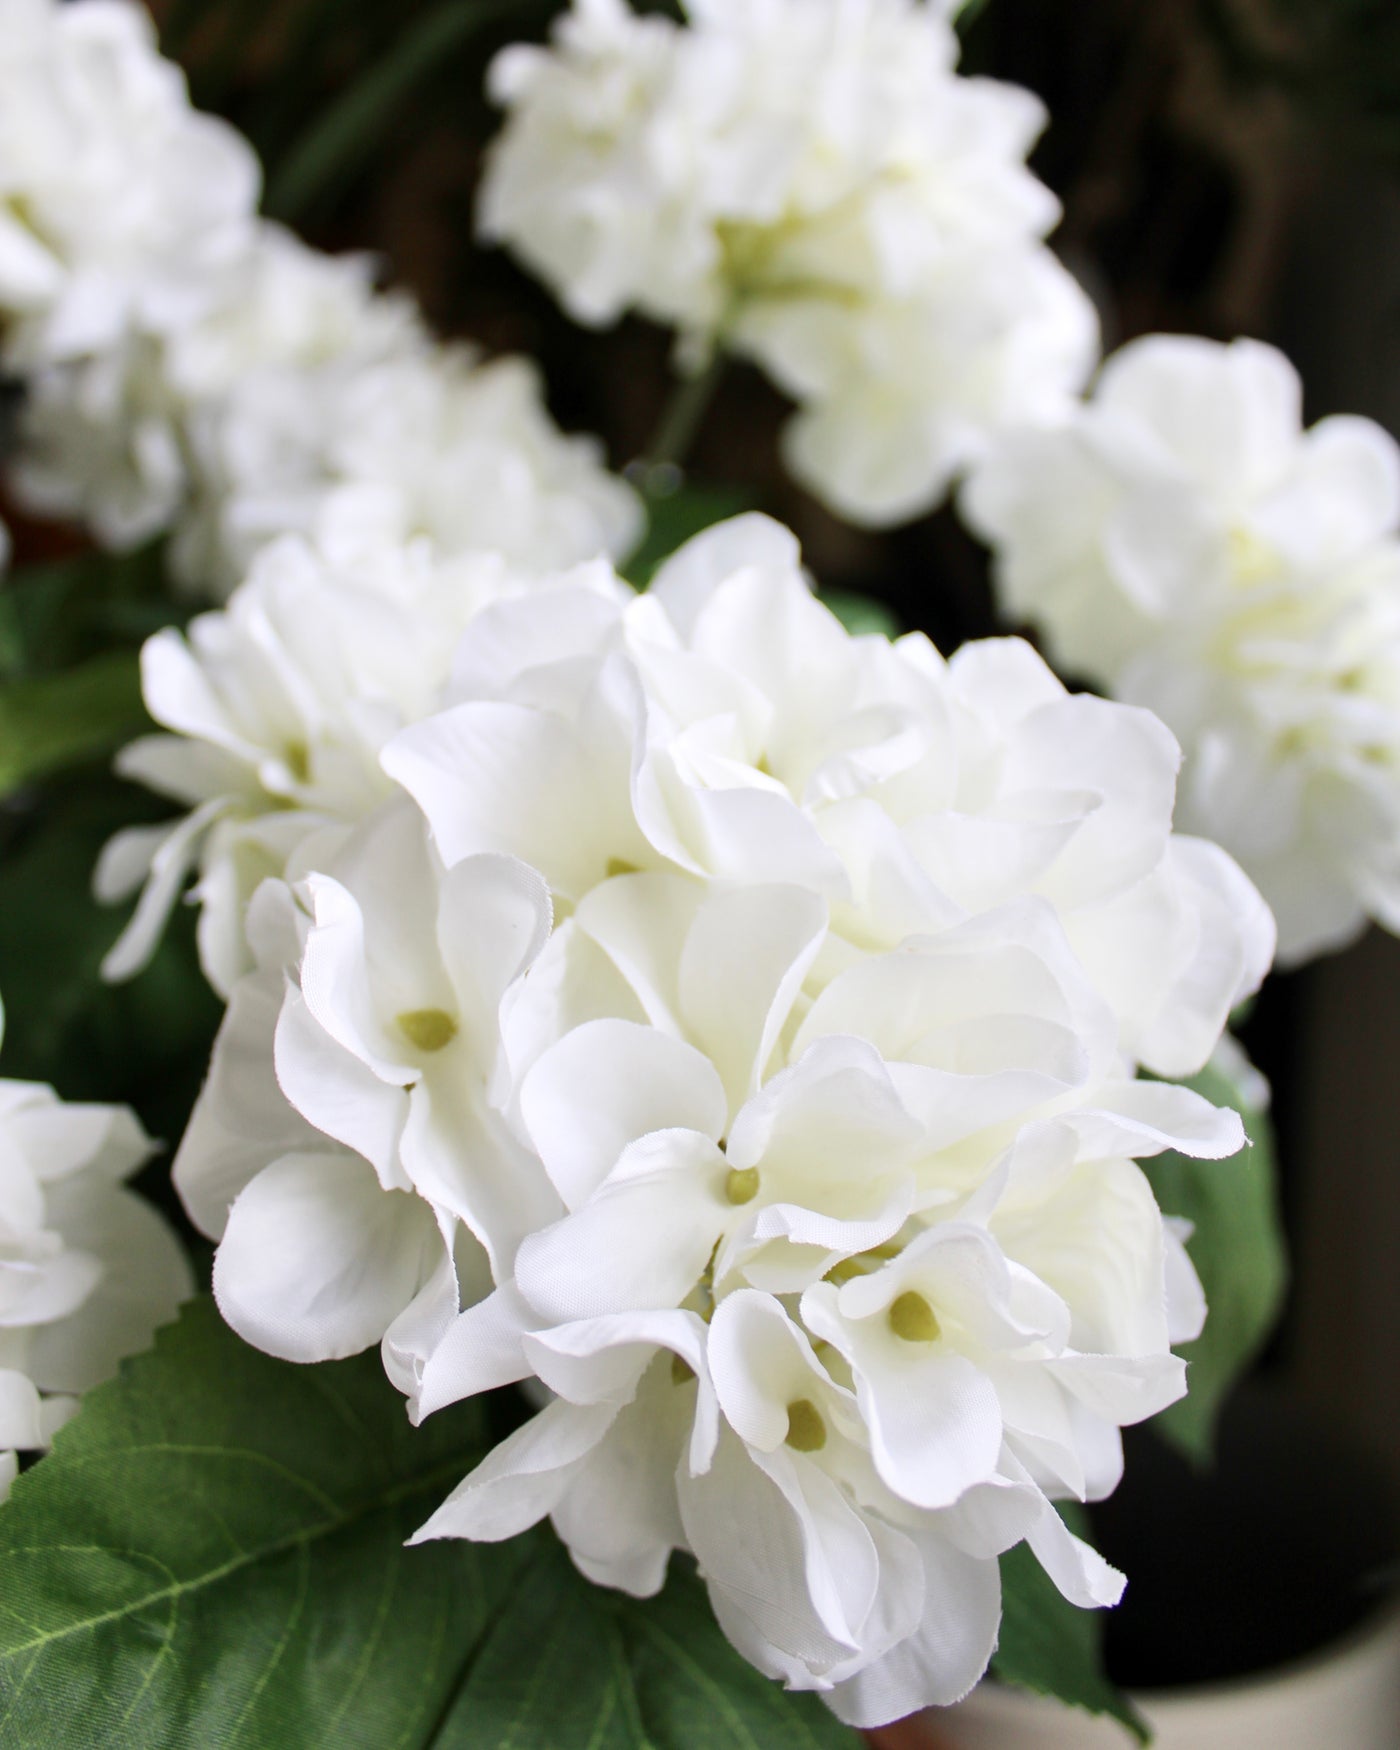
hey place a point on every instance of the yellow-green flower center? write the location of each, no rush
(741, 1184)
(428, 1029)
(912, 1318)
(806, 1431)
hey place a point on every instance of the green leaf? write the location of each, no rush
(146, 1041)
(1050, 1646)
(346, 135)
(569, 1665)
(57, 613)
(861, 613)
(213, 1555)
(51, 721)
(1239, 1254)
(674, 515)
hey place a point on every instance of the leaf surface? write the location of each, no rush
(50, 721)
(1238, 1250)
(1050, 1646)
(213, 1555)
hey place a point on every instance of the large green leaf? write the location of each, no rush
(213, 1555)
(1238, 1250)
(1052, 1647)
(58, 613)
(50, 721)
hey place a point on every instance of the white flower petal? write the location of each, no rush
(603, 1086)
(317, 1259)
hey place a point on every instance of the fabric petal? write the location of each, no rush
(318, 1260)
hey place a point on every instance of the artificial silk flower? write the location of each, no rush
(189, 365)
(821, 901)
(810, 184)
(119, 205)
(88, 1270)
(345, 1151)
(276, 707)
(838, 1314)
(113, 439)
(1186, 545)
(740, 1040)
(725, 724)
(301, 380)
(463, 448)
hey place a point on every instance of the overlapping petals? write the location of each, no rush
(88, 1269)
(277, 707)
(740, 1040)
(1186, 545)
(812, 185)
(191, 367)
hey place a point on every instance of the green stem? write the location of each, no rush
(683, 415)
(345, 136)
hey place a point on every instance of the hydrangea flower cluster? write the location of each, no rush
(732, 1026)
(1186, 545)
(189, 364)
(278, 705)
(88, 1270)
(808, 183)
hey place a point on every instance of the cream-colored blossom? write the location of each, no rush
(120, 206)
(88, 1270)
(792, 1148)
(275, 709)
(1185, 544)
(812, 184)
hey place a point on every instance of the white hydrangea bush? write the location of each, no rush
(191, 367)
(740, 1040)
(1186, 545)
(88, 1270)
(810, 184)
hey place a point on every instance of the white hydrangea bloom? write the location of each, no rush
(119, 205)
(1187, 545)
(809, 183)
(344, 1150)
(110, 439)
(726, 724)
(466, 447)
(88, 1270)
(301, 381)
(186, 363)
(797, 1159)
(101, 444)
(278, 705)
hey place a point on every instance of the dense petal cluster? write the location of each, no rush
(1185, 544)
(88, 1270)
(277, 706)
(189, 365)
(811, 184)
(735, 1031)
(119, 205)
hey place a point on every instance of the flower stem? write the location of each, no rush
(683, 415)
